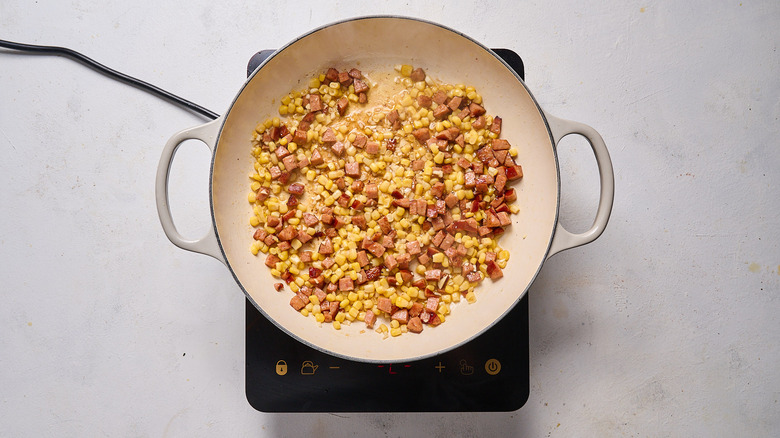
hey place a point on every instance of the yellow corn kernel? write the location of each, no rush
(254, 221)
(319, 317)
(406, 70)
(341, 316)
(395, 332)
(470, 297)
(336, 325)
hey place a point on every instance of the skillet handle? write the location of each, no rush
(208, 245)
(564, 239)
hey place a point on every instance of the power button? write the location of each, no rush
(281, 368)
(493, 366)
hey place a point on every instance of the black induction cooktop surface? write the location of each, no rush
(489, 373)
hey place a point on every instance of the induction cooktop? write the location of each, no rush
(489, 373)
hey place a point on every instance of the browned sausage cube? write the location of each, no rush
(440, 97)
(496, 126)
(315, 103)
(290, 162)
(344, 79)
(341, 105)
(326, 247)
(415, 325)
(441, 112)
(390, 262)
(401, 315)
(413, 247)
(417, 308)
(355, 73)
(476, 110)
(432, 305)
(370, 319)
(384, 304)
(362, 258)
(345, 284)
(418, 75)
(329, 137)
(338, 148)
(372, 191)
(455, 102)
(352, 169)
(332, 75)
(316, 158)
(433, 274)
(424, 101)
(499, 144)
(421, 134)
(360, 86)
(494, 271)
(297, 303)
(372, 147)
(360, 141)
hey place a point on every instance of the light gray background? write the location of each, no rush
(665, 326)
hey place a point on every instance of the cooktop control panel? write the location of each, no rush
(489, 373)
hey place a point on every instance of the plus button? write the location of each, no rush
(440, 367)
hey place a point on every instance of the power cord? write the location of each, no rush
(76, 56)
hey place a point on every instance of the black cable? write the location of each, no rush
(76, 56)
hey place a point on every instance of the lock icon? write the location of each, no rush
(281, 368)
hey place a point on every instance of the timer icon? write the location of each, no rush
(492, 366)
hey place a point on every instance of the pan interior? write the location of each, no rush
(375, 45)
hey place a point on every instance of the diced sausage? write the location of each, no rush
(384, 224)
(440, 97)
(416, 309)
(454, 103)
(413, 247)
(315, 103)
(360, 141)
(433, 274)
(494, 271)
(394, 119)
(326, 247)
(479, 123)
(280, 287)
(376, 249)
(310, 220)
(372, 147)
(415, 325)
(360, 86)
(514, 172)
(500, 144)
(451, 200)
(316, 157)
(341, 105)
(437, 189)
(476, 109)
(355, 73)
(447, 242)
(303, 236)
(470, 180)
(418, 75)
(432, 304)
(510, 195)
(332, 75)
(362, 258)
(281, 152)
(358, 220)
(401, 315)
(275, 172)
(496, 126)
(504, 219)
(290, 162)
(345, 284)
(272, 260)
(424, 101)
(338, 148)
(344, 79)
(297, 303)
(372, 191)
(449, 134)
(474, 277)
(362, 98)
(384, 304)
(390, 262)
(501, 180)
(300, 137)
(288, 233)
(352, 169)
(422, 134)
(369, 319)
(329, 137)
(441, 112)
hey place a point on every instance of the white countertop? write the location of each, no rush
(665, 326)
